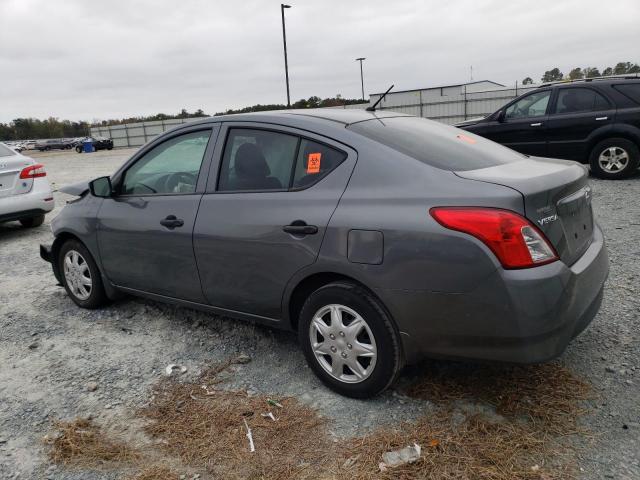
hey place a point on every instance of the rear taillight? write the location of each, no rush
(512, 238)
(33, 171)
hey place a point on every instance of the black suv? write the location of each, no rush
(595, 121)
(59, 143)
(99, 143)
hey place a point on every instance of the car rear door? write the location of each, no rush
(577, 115)
(145, 231)
(264, 215)
(523, 124)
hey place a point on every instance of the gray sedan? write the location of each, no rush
(380, 238)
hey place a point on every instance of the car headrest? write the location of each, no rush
(250, 162)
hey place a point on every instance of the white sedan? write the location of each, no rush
(25, 193)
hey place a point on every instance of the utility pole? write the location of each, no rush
(361, 74)
(284, 41)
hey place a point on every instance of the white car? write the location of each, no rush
(25, 193)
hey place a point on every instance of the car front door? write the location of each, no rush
(576, 115)
(264, 216)
(523, 124)
(145, 230)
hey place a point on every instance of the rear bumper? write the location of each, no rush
(519, 316)
(37, 202)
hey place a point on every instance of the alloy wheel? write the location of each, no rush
(343, 343)
(77, 275)
(613, 159)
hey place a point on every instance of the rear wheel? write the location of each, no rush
(32, 221)
(349, 340)
(614, 158)
(80, 275)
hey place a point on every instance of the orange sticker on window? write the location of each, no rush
(313, 163)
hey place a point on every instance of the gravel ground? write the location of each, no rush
(50, 350)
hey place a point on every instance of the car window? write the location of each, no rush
(169, 168)
(631, 90)
(6, 151)
(572, 100)
(435, 144)
(315, 161)
(533, 105)
(257, 160)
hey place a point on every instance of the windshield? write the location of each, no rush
(436, 144)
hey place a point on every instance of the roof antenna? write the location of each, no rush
(372, 108)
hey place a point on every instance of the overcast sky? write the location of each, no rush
(88, 59)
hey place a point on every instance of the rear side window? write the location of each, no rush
(263, 160)
(436, 144)
(315, 161)
(631, 90)
(5, 151)
(574, 100)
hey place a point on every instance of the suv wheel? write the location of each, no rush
(32, 221)
(80, 275)
(614, 158)
(349, 340)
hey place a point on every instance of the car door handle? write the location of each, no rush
(171, 222)
(536, 124)
(300, 229)
(599, 119)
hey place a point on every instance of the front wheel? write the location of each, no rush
(80, 275)
(79, 149)
(614, 158)
(349, 340)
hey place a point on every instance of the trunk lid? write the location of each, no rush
(557, 199)
(10, 168)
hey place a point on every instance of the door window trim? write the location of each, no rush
(205, 165)
(274, 129)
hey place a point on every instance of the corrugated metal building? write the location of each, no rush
(450, 103)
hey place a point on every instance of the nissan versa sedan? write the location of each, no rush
(25, 193)
(379, 237)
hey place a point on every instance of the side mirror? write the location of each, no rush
(101, 187)
(500, 116)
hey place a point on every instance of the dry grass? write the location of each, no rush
(156, 473)
(548, 396)
(81, 442)
(204, 429)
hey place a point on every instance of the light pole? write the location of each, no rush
(361, 76)
(284, 41)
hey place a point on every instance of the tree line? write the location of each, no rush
(555, 75)
(311, 102)
(33, 128)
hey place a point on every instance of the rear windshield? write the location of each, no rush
(5, 151)
(436, 144)
(631, 90)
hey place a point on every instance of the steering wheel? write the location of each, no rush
(174, 179)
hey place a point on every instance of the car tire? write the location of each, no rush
(32, 222)
(109, 148)
(358, 361)
(46, 149)
(79, 149)
(614, 158)
(80, 275)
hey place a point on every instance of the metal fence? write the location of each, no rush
(137, 134)
(450, 108)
